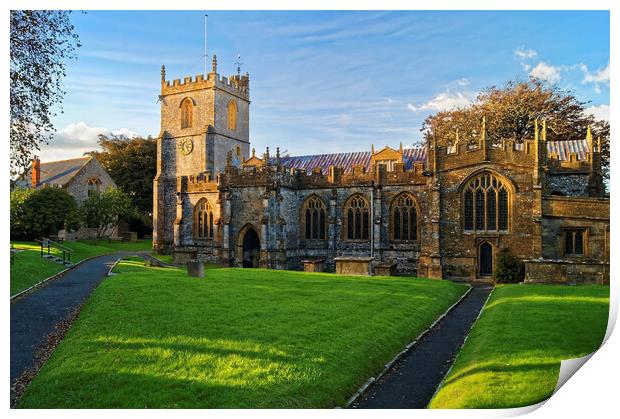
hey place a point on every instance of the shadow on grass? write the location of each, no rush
(236, 338)
(92, 390)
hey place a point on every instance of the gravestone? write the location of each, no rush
(196, 268)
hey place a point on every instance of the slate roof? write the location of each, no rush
(410, 155)
(59, 172)
(348, 160)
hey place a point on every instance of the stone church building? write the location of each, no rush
(434, 211)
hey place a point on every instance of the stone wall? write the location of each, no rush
(566, 272)
(78, 185)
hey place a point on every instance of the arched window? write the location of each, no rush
(485, 204)
(232, 115)
(357, 218)
(93, 184)
(187, 111)
(404, 216)
(203, 218)
(314, 218)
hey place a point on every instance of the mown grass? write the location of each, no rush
(512, 355)
(29, 268)
(242, 338)
(164, 258)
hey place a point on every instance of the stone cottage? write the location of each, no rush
(434, 211)
(80, 177)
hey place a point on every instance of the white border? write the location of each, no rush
(590, 393)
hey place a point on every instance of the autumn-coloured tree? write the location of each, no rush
(40, 43)
(511, 112)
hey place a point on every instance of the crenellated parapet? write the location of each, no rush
(269, 170)
(552, 156)
(202, 182)
(237, 84)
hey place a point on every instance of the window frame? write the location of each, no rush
(392, 219)
(187, 113)
(93, 181)
(303, 218)
(584, 242)
(232, 110)
(206, 223)
(475, 185)
(345, 219)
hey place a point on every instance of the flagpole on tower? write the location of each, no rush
(206, 55)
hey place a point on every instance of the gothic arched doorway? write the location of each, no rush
(485, 259)
(251, 249)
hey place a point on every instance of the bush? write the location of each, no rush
(508, 269)
(36, 213)
(104, 210)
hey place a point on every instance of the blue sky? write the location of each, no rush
(324, 81)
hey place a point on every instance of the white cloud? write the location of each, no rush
(597, 78)
(600, 112)
(76, 135)
(125, 132)
(600, 76)
(546, 72)
(76, 139)
(462, 82)
(524, 54)
(445, 101)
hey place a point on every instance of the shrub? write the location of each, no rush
(42, 212)
(103, 211)
(508, 268)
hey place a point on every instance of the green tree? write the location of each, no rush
(511, 111)
(36, 213)
(104, 210)
(131, 162)
(40, 42)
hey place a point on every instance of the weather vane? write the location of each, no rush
(238, 63)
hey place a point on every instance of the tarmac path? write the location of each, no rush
(413, 380)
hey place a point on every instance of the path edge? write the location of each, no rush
(460, 347)
(362, 390)
(55, 276)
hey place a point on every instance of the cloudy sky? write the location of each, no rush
(324, 81)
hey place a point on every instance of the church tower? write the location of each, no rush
(202, 119)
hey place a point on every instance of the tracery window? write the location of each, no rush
(187, 110)
(404, 217)
(357, 218)
(93, 185)
(485, 204)
(314, 213)
(232, 115)
(203, 216)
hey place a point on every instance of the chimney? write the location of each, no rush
(36, 171)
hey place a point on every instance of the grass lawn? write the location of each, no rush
(29, 268)
(164, 258)
(154, 337)
(512, 356)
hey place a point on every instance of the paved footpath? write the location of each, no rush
(35, 315)
(413, 380)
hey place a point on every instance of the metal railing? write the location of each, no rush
(48, 244)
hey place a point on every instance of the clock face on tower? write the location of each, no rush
(186, 146)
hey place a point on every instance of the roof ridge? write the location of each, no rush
(419, 146)
(62, 160)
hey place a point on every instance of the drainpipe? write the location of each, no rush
(372, 219)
